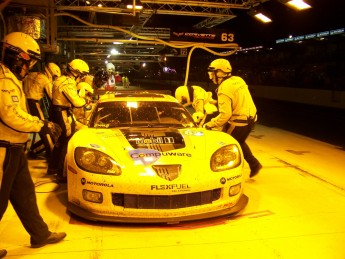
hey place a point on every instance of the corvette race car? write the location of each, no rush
(144, 160)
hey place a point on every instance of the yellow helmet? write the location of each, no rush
(20, 49)
(78, 67)
(183, 96)
(52, 70)
(218, 70)
(220, 64)
(21, 42)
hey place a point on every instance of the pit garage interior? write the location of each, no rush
(88, 29)
(296, 203)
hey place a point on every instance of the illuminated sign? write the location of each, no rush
(338, 31)
(312, 35)
(202, 35)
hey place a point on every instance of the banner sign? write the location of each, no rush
(201, 35)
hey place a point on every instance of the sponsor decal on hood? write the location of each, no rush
(161, 140)
(144, 156)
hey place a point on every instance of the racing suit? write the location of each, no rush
(85, 91)
(65, 97)
(15, 128)
(237, 114)
(35, 86)
(88, 79)
(202, 100)
(111, 84)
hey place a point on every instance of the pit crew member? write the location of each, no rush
(20, 52)
(237, 111)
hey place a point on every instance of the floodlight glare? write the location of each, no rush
(296, 4)
(130, 3)
(259, 15)
(263, 18)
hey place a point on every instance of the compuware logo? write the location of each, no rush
(143, 156)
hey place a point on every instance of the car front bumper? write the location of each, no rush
(241, 204)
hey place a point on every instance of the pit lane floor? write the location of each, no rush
(296, 209)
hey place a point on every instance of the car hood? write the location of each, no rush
(168, 141)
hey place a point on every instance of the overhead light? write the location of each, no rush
(259, 16)
(262, 17)
(296, 4)
(114, 51)
(132, 4)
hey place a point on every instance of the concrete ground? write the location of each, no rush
(296, 210)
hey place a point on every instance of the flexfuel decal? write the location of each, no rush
(171, 187)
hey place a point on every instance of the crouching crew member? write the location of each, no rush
(200, 100)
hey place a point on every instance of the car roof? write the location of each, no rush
(135, 95)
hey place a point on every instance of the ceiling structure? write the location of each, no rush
(77, 29)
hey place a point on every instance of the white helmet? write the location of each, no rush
(53, 71)
(20, 49)
(110, 68)
(78, 67)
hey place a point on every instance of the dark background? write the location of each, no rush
(320, 123)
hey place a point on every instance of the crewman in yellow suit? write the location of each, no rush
(198, 98)
(19, 53)
(65, 98)
(237, 111)
(85, 90)
(36, 86)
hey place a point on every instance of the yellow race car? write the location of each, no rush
(144, 160)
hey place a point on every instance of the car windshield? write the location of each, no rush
(143, 114)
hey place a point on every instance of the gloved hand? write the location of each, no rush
(84, 89)
(197, 116)
(206, 127)
(51, 128)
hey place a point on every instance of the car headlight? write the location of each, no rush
(225, 158)
(95, 161)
